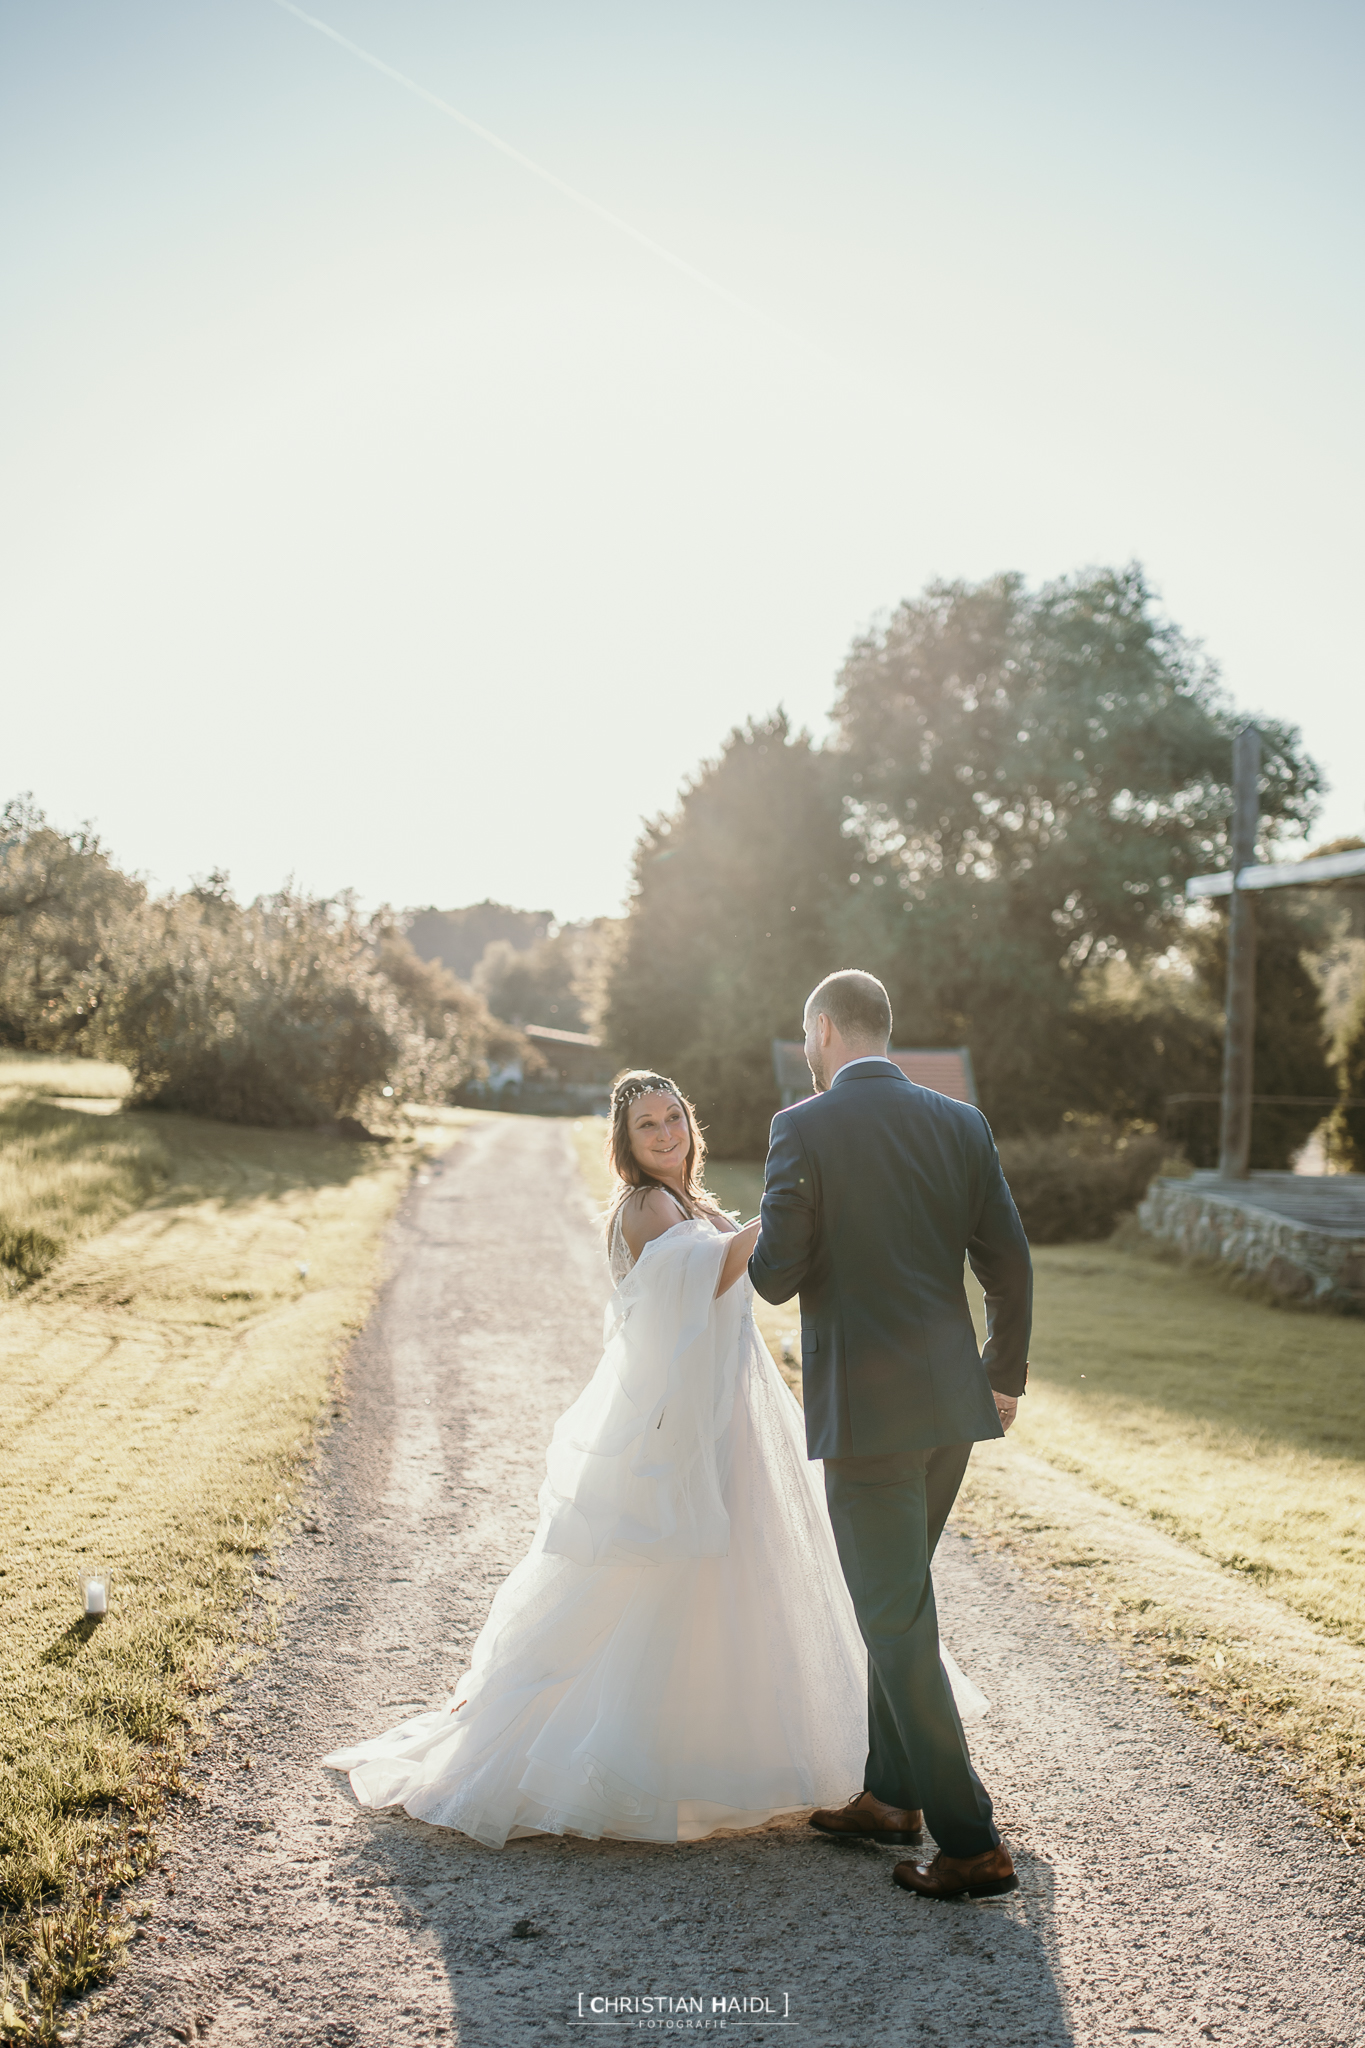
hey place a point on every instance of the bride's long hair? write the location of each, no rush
(626, 1089)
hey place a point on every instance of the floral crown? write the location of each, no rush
(641, 1084)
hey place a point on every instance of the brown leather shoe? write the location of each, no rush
(950, 1877)
(871, 1820)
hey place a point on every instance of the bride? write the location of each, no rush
(677, 1651)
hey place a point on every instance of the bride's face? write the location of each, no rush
(659, 1135)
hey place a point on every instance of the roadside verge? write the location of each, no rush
(161, 1389)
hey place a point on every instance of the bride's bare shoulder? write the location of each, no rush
(646, 1214)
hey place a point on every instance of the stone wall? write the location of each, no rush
(1297, 1259)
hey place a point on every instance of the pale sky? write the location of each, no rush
(374, 513)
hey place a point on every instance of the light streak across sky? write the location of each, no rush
(558, 184)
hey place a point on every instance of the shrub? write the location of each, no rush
(1348, 1125)
(1077, 1182)
(64, 911)
(288, 1011)
(273, 1014)
(454, 1034)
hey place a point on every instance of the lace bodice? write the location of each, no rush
(618, 1251)
(619, 1255)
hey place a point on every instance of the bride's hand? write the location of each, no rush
(737, 1255)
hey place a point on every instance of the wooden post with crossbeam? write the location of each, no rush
(1247, 876)
(1234, 1135)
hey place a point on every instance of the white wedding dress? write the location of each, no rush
(677, 1651)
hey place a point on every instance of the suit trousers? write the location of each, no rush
(888, 1514)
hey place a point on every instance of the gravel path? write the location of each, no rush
(1169, 1893)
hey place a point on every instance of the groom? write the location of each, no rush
(875, 1190)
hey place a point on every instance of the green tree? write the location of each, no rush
(452, 1035)
(459, 938)
(560, 981)
(531, 987)
(1289, 1049)
(1137, 1038)
(270, 1014)
(736, 893)
(291, 1010)
(1035, 776)
(65, 915)
(1348, 1125)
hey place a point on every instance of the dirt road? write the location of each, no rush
(1169, 1893)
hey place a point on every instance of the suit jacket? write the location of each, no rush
(873, 1194)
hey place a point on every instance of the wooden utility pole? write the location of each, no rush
(1234, 1142)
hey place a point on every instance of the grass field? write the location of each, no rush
(56, 1187)
(1188, 1469)
(160, 1382)
(1236, 1427)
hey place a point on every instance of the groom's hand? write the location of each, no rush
(1007, 1406)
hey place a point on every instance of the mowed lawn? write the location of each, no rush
(56, 1185)
(1238, 1428)
(160, 1384)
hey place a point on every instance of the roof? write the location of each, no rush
(547, 1031)
(1326, 867)
(947, 1070)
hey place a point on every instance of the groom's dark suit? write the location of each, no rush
(874, 1193)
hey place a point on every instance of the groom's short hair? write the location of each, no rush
(856, 1004)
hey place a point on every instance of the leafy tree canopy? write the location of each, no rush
(1018, 785)
(272, 1013)
(1067, 750)
(1289, 1050)
(1349, 1123)
(459, 938)
(559, 981)
(1036, 775)
(737, 891)
(65, 909)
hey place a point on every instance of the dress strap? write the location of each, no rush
(618, 1246)
(661, 1189)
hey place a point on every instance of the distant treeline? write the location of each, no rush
(527, 968)
(292, 1010)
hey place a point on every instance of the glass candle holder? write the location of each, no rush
(96, 1586)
